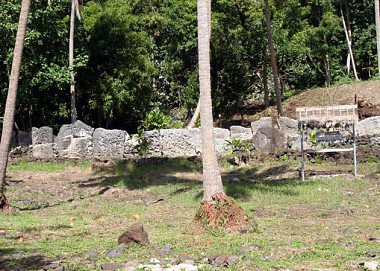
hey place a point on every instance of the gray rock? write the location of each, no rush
(368, 127)
(92, 254)
(135, 234)
(166, 250)
(130, 268)
(81, 129)
(81, 147)
(43, 151)
(64, 137)
(372, 266)
(24, 139)
(222, 139)
(130, 150)
(179, 142)
(43, 135)
(263, 122)
(52, 265)
(269, 139)
(220, 133)
(232, 259)
(240, 132)
(154, 143)
(115, 252)
(289, 126)
(108, 143)
(374, 141)
(111, 266)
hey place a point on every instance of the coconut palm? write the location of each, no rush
(74, 14)
(9, 113)
(217, 209)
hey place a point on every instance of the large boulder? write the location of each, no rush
(368, 127)
(289, 126)
(80, 147)
(63, 139)
(81, 129)
(179, 142)
(43, 151)
(43, 135)
(267, 138)
(263, 122)
(108, 143)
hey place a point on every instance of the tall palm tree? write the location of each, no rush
(377, 20)
(216, 208)
(74, 13)
(9, 112)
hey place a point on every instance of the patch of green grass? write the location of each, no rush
(300, 225)
(47, 166)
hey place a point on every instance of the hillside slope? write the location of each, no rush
(367, 96)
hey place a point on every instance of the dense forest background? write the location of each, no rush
(135, 56)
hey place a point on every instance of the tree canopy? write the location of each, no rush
(133, 56)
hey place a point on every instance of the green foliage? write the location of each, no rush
(135, 55)
(313, 137)
(156, 120)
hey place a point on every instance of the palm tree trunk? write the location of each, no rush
(216, 208)
(212, 181)
(10, 105)
(377, 15)
(71, 62)
(273, 58)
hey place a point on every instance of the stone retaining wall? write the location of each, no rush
(79, 140)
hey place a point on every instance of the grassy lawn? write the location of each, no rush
(320, 224)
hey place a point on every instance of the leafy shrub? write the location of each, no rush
(154, 120)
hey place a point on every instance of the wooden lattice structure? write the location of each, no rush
(347, 114)
(336, 113)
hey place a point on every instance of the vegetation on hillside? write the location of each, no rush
(135, 56)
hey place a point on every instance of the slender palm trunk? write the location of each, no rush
(377, 15)
(10, 105)
(349, 47)
(212, 181)
(195, 116)
(273, 58)
(71, 62)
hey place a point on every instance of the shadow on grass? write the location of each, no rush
(159, 172)
(146, 173)
(242, 183)
(12, 260)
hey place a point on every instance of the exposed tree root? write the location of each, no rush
(224, 212)
(4, 206)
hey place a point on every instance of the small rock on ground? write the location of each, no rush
(111, 266)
